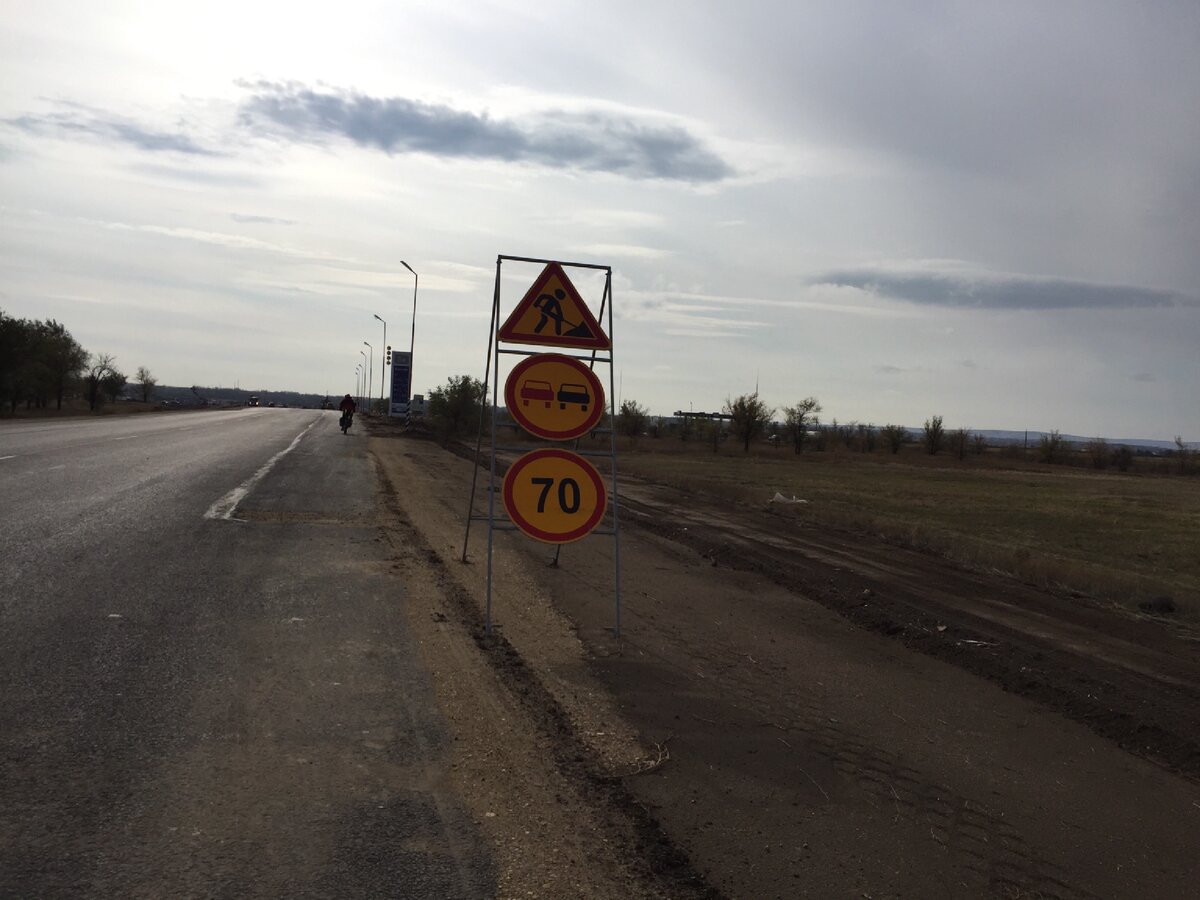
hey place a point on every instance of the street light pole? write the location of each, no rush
(412, 341)
(363, 354)
(370, 376)
(382, 372)
(357, 382)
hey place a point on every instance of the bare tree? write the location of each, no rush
(798, 418)
(831, 435)
(1184, 454)
(822, 439)
(846, 434)
(894, 437)
(979, 443)
(865, 437)
(959, 440)
(146, 382)
(100, 368)
(748, 417)
(934, 435)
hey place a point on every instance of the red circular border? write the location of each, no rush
(532, 530)
(514, 408)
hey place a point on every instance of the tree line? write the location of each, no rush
(455, 408)
(41, 365)
(747, 418)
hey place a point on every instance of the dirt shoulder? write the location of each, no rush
(540, 749)
(752, 727)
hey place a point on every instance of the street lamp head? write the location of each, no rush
(366, 344)
(407, 266)
(381, 320)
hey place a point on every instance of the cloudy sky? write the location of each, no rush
(987, 211)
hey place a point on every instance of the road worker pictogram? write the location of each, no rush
(553, 313)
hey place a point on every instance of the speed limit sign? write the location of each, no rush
(554, 496)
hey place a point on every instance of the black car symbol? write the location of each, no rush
(573, 393)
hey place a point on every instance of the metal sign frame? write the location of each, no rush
(491, 381)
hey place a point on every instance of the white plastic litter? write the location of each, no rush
(779, 498)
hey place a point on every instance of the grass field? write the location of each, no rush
(1118, 537)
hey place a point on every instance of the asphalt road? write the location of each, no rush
(207, 688)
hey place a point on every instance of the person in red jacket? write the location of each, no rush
(348, 407)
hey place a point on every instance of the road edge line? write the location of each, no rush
(224, 508)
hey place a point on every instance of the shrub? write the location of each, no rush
(894, 437)
(1098, 453)
(1051, 448)
(1122, 458)
(631, 420)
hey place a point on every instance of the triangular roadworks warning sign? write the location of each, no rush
(553, 313)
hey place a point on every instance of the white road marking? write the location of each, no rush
(224, 508)
(55, 468)
(126, 438)
(8, 457)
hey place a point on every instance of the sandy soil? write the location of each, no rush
(791, 712)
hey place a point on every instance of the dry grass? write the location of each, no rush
(77, 408)
(1123, 538)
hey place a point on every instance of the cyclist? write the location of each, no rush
(348, 408)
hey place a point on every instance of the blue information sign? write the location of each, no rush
(401, 383)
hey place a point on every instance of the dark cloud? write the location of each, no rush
(967, 290)
(80, 122)
(595, 142)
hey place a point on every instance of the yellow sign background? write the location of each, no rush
(554, 495)
(554, 397)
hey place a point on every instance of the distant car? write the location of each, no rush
(537, 390)
(253, 401)
(271, 404)
(574, 393)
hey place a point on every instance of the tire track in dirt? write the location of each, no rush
(986, 853)
(1141, 698)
